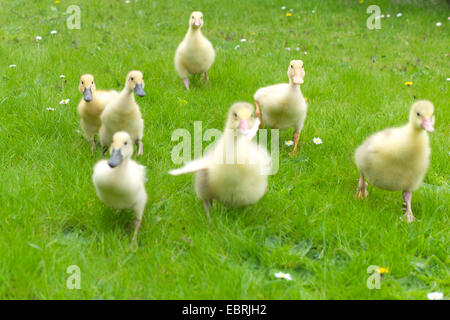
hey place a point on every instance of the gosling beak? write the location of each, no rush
(115, 159)
(297, 79)
(244, 127)
(87, 94)
(139, 90)
(197, 22)
(427, 124)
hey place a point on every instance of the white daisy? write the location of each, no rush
(62, 76)
(435, 296)
(64, 101)
(12, 66)
(291, 10)
(438, 24)
(53, 32)
(289, 143)
(305, 52)
(237, 47)
(127, 1)
(399, 14)
(243, 40)
(317, 140)
(297, 49)
(38, 38)
(288, 49)
(448, 79)
(281, 275)
(313, 11)
(388, 15)
(50, 109)
(283, 8)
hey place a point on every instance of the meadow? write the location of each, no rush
(308, 224)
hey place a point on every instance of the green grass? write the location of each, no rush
(308, 224)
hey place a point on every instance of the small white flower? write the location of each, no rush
(297, 49)
(448, 79)
(313, 11)
(288, 49)
(291, 10)
(127, 1)
(448, 18)
(438, 24)
(243, 40)
(399, 14)
(281, 275)
(382, 16)
(388, 15)
(12, 66)
(62, 76)
(305, 52)
(38, 38)
(435, 296)
(283, 8)
(50, 109)
(53, 32)
(237, 47)
(317, 140)
(289, 143)
(64, 101)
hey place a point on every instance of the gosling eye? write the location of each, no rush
(418, 114)
(132, 79)
(126, 142)
(82, 82)
(235, 115)
(192, 17)
(201, 18)
(292, 67)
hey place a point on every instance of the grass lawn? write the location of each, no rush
(308, 224)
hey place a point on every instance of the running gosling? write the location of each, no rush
(195, 54)
(283, 105)
(123, 114)
(398, 158)
(119, 181)
(234, 172)
(91, 107)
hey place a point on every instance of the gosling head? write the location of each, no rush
(296, 72)
(196, 20)
(87, 86)
(121, 149)
(422, 115)
(135, 82)
(240, 118)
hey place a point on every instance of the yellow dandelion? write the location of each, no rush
(361, 1)
(57, 1)
(383, 270)
(408, 83)
(288, 14)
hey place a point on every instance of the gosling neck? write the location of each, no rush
(194, 31)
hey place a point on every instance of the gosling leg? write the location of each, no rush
(140, 148)
(258, 114)
(295, 137)
(206, 205)
(361, 191)
(186, 82)
(407, 196)
(205, 76)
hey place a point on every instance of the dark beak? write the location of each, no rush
(139, 90)
(87, 94)
(115, 159)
